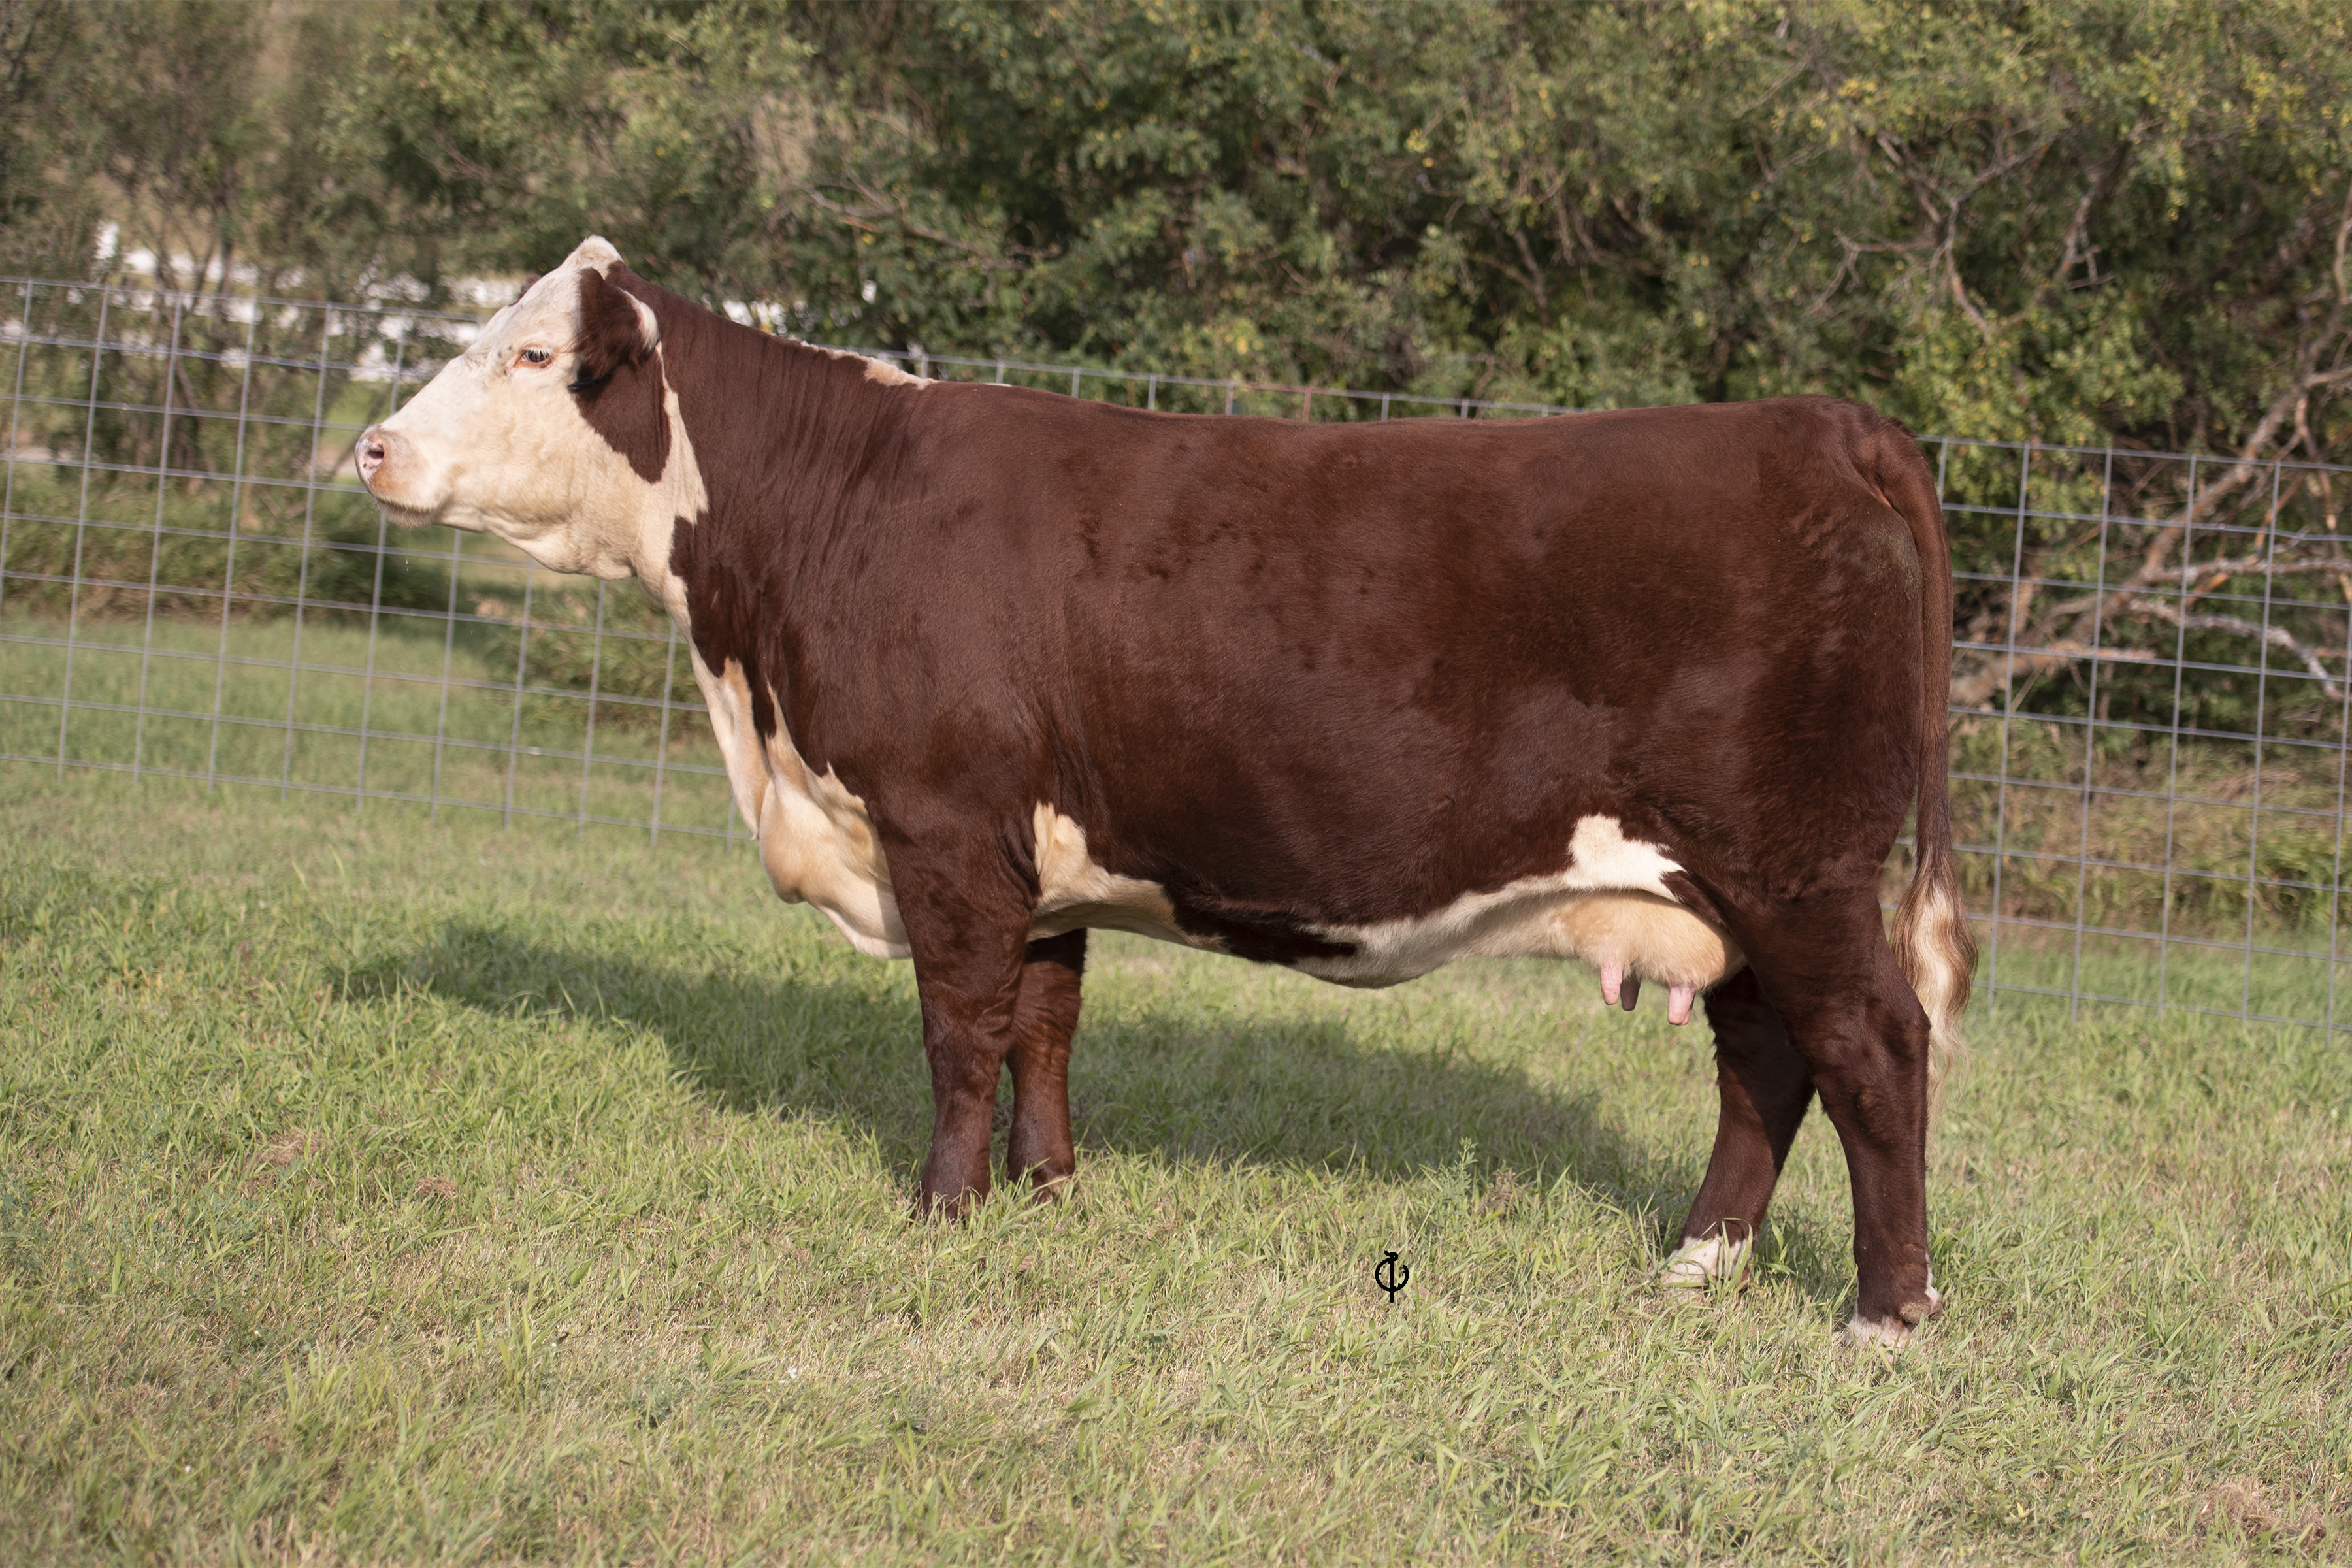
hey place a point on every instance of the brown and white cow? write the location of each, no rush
(1651, 689)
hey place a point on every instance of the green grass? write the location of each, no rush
(371, 1193)
(450, 744)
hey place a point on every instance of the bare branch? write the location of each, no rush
(2038, 652)
(2277, 636)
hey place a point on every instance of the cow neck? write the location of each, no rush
(797, 447)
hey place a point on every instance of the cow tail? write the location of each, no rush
(1932, 943)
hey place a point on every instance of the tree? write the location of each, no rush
(2054, 222)
(49, 213)
(509, 129)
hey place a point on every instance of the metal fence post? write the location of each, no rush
(2008, 710)
(82, 522)
(2172, 777)
(302, 578)
(375, 598)
(522, 659)
(155, 543)
(595, 680)
(228, 571)
(661, 746)
(2090, 739)
(2262, 709)
(2336, 872)
(449, 657)
(15, 407)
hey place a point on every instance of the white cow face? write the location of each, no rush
(555, 430)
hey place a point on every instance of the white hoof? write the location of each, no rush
(1698, 1264)
(1892, 1332)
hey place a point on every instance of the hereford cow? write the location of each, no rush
(1651, 689)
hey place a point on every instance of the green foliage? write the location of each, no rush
(611, 640)
(47, 153)
(266, 560)
(2095, 221)
(203, 136)
(2193, 841)
(512, 128)
(2089, 220)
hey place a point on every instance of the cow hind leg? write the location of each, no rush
(1765, 1088)
(1864, 1037)
(1040, 1146)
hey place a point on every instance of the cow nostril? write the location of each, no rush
(372, 450)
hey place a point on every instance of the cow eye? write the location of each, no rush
(536, 356)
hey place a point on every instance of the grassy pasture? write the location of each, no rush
(280, 717)
(371, 1193)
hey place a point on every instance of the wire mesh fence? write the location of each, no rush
(2152, 688)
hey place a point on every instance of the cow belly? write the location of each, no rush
(1073, 891)
(818, 846)
(1640, 934)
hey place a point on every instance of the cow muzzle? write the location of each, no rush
(372, 454)
(394, 472)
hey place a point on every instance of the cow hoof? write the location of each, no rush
(1045, 1189)
(1712, 1259)
(1893, 1332)
(952, 1209)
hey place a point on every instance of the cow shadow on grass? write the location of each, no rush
(1169, 1079)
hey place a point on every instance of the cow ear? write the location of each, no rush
(616, 328)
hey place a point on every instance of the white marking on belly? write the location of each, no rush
(1610, 906)
(1073, 891)
(815, 837)
(1600, 856)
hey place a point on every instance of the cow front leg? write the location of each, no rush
(1040, 1147)
(1765, 1088)
(1864, 1037)
(968, 977)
